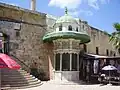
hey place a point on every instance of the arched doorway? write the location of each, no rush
(4, 43)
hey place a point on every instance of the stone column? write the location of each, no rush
(54, 60)
(54, 66)
(70, 61)
(78, 62)
(61, 64)
(60, 61)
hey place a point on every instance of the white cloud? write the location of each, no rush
(70, 4)
(104, 1)
(93, 3)
(84, 12)
(73, 4)
(87, 13)
(74, 13)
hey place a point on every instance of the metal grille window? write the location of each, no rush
(17, 33)
(74, 62)
(65, 62)
(57, 62)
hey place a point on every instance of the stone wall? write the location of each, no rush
(100, 39)
(26, 29)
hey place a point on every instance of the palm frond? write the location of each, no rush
(115, 36)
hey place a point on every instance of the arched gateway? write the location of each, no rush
(66, 37)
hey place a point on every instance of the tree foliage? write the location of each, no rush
(115, 37)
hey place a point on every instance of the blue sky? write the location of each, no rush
(99, 13)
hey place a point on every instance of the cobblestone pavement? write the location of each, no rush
(57, 86)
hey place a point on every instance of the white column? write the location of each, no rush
(60, 61)
(61, 65)
(70, 61)
(78, 62)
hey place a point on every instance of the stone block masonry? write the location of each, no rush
(25, 29)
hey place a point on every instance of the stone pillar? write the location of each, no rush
(70, 61)
(60, 61)
(78, 62)
(33, 5)
(61, 64)
(54, 61)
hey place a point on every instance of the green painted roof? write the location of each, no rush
(84, 38)
(66, 18)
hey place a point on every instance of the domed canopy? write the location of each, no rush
(66, 18)
(66, 34)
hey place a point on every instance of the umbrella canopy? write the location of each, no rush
(109, 67)
(7, 62)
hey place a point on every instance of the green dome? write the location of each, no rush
(66, 18)
(81, 35)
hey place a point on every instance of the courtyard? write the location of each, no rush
(58, 47)
(60, 86)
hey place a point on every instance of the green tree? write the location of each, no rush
(115, 36)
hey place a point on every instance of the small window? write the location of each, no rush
(65, 62)
(119, 50)
(17, 33)
(77, 29)
(107, 52)
(70, 28)
(57, 62)
(97, 50)
(114, 54)
(74, 62)
(60, 27)
(83, 27)
(85, 47)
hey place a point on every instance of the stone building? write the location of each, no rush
(52, 45)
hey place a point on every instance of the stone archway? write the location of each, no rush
(4, 43)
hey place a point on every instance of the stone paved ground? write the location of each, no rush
(58, 86)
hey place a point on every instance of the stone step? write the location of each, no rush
(20, 83)
(18, 72)
(19, 80)
(8, 87)
(14, 71)
(15, 75)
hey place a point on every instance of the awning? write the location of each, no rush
(94, 56)
(7, 62)
(97, 56)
